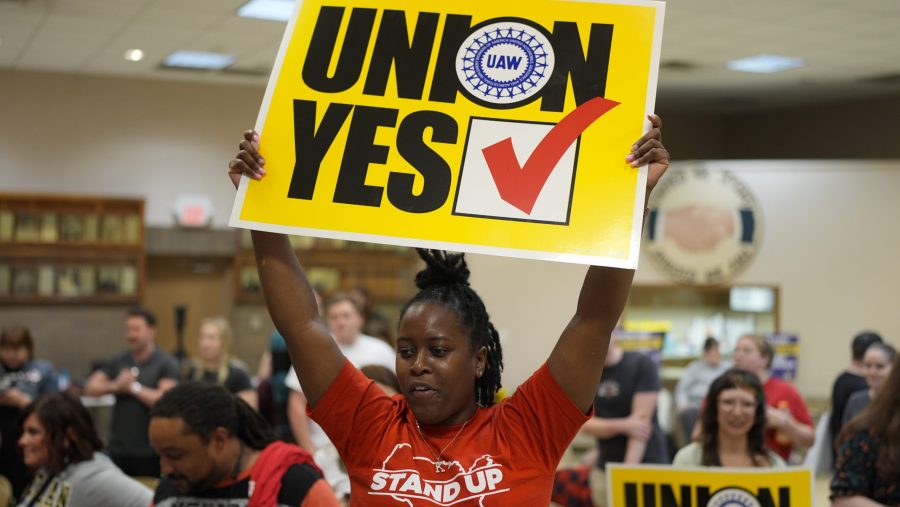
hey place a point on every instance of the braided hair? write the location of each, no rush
(445, 281)
(205, 406)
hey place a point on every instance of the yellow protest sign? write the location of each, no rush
(491, 127)
(657, 486)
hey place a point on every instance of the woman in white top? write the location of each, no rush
(734, 422)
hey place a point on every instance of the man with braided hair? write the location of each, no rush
(214, 449)
(442, 441)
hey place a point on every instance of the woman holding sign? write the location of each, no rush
(442, 440)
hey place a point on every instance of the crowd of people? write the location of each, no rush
(206, 437)
(338, 417)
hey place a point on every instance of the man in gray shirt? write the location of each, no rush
(138, 377)
(694, 384)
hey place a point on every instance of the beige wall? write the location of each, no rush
(830, 230)
(91, 135)
(829, 240)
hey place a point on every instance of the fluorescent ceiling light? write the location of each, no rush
(273, 10)
(198, 60)
(765, 63)
(134, 55)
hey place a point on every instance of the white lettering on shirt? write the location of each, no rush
(403, 482)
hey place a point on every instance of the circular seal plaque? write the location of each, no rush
(504, 63)
(703, 227)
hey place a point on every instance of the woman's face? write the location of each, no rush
(13, 357)
(747, 356)
(33, 443)
(209, 344)
(436, 367)
(877, 367)
(736, 411)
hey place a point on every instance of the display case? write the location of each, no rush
(336, 265)
(686, 315)
(61, 249)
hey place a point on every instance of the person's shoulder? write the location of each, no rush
(237, 369)
(848, 376)
(861, 396)
(238, 377)
(694, 367)
(860, 441)
(40, 365)
(639, 359)
(688, 456)
(848, 381)
(162, 355)
(778, 384)
(696, 363)
(296, 482)
(99, 465)
(775, 461)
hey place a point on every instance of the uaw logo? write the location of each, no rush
(505, 63)
(703, 227)
(400, 479)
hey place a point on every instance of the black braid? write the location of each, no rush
(204, 407)
(445, 280)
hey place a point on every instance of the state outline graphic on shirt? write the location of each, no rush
(397, 479)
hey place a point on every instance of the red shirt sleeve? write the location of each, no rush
(351, 402)
(540, 418)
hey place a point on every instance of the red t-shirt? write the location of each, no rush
(506, 454)
(781, 395)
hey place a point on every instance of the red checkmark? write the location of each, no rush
(521, 185)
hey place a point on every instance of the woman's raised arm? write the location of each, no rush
(577, 359)
(288, 294)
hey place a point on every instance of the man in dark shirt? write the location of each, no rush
(624, 421)
(216, 450)
(848, 382)
(138, 377)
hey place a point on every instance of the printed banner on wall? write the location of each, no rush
(787, 352)
(489, 127)
(657, 486)
(644, 336)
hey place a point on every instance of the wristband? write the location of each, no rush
(136, 388)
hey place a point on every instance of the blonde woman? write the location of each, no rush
(215, 363)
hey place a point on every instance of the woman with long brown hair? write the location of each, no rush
(734, 423)
(60, 444)
(868, 463)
